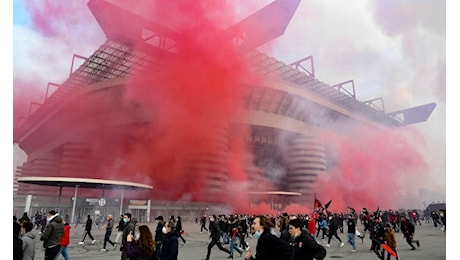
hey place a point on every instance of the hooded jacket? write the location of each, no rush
(54, 230)
(65, 239)
(28, 245)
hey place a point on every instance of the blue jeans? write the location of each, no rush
(233, 245)
(351, 240)
(62, 251)
(225, 238)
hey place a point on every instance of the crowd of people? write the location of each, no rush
(137, 241)
(314, 232)
(300, 236)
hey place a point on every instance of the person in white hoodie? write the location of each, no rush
(28, 241)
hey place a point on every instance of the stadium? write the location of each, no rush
(101, 141)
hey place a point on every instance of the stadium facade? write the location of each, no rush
(280, 109)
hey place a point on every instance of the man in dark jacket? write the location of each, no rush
(159, 235)
(17, 242)
(89, 225)
(269, 246)
(408, 230)
(119, 227)
(305, 247)
(215, 237)
(129, 229)
(52, 234)
(108, 232)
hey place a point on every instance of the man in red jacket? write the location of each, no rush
(65, 239)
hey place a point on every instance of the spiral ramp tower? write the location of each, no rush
(306, 161)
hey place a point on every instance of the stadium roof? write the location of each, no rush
(117, 58)
(83, 183)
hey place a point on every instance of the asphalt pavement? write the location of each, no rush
(432, 245)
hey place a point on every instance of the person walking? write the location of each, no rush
(351, 229)
(17, 241)
(78, 220)
(243, 232)
(408, 230)
(311, 225)
(128, 230)
(119, 227)
(170, 243)
(323, 225)
(215, 237)
(142, 248)
(65, 240)
(332, 232)
(203, 224)
(88, 227)
(28, 241)
(108, 232)
(284, 227)
(390, 240)
(159, 235)
(234, 236)
(268, 246)
(224, 226)
(179, 229)
(304, 246)
(52, 234)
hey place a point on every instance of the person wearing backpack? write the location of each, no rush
(305, 247)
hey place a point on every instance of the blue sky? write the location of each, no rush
(20, 15)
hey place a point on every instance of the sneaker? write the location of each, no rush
(418, 243)
(412, 248)
(353, 250)
(247, 248)
(342, 244)
(103, 250)
(327, 245)
(81, 243)
(92, 242)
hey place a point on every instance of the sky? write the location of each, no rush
(395, 50)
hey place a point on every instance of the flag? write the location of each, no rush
(317, 204)
(327, 204)
(377, 213)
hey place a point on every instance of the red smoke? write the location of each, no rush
(200, 91)
(367, 168)
(189, 99)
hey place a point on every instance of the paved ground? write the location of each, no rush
(433, 246)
